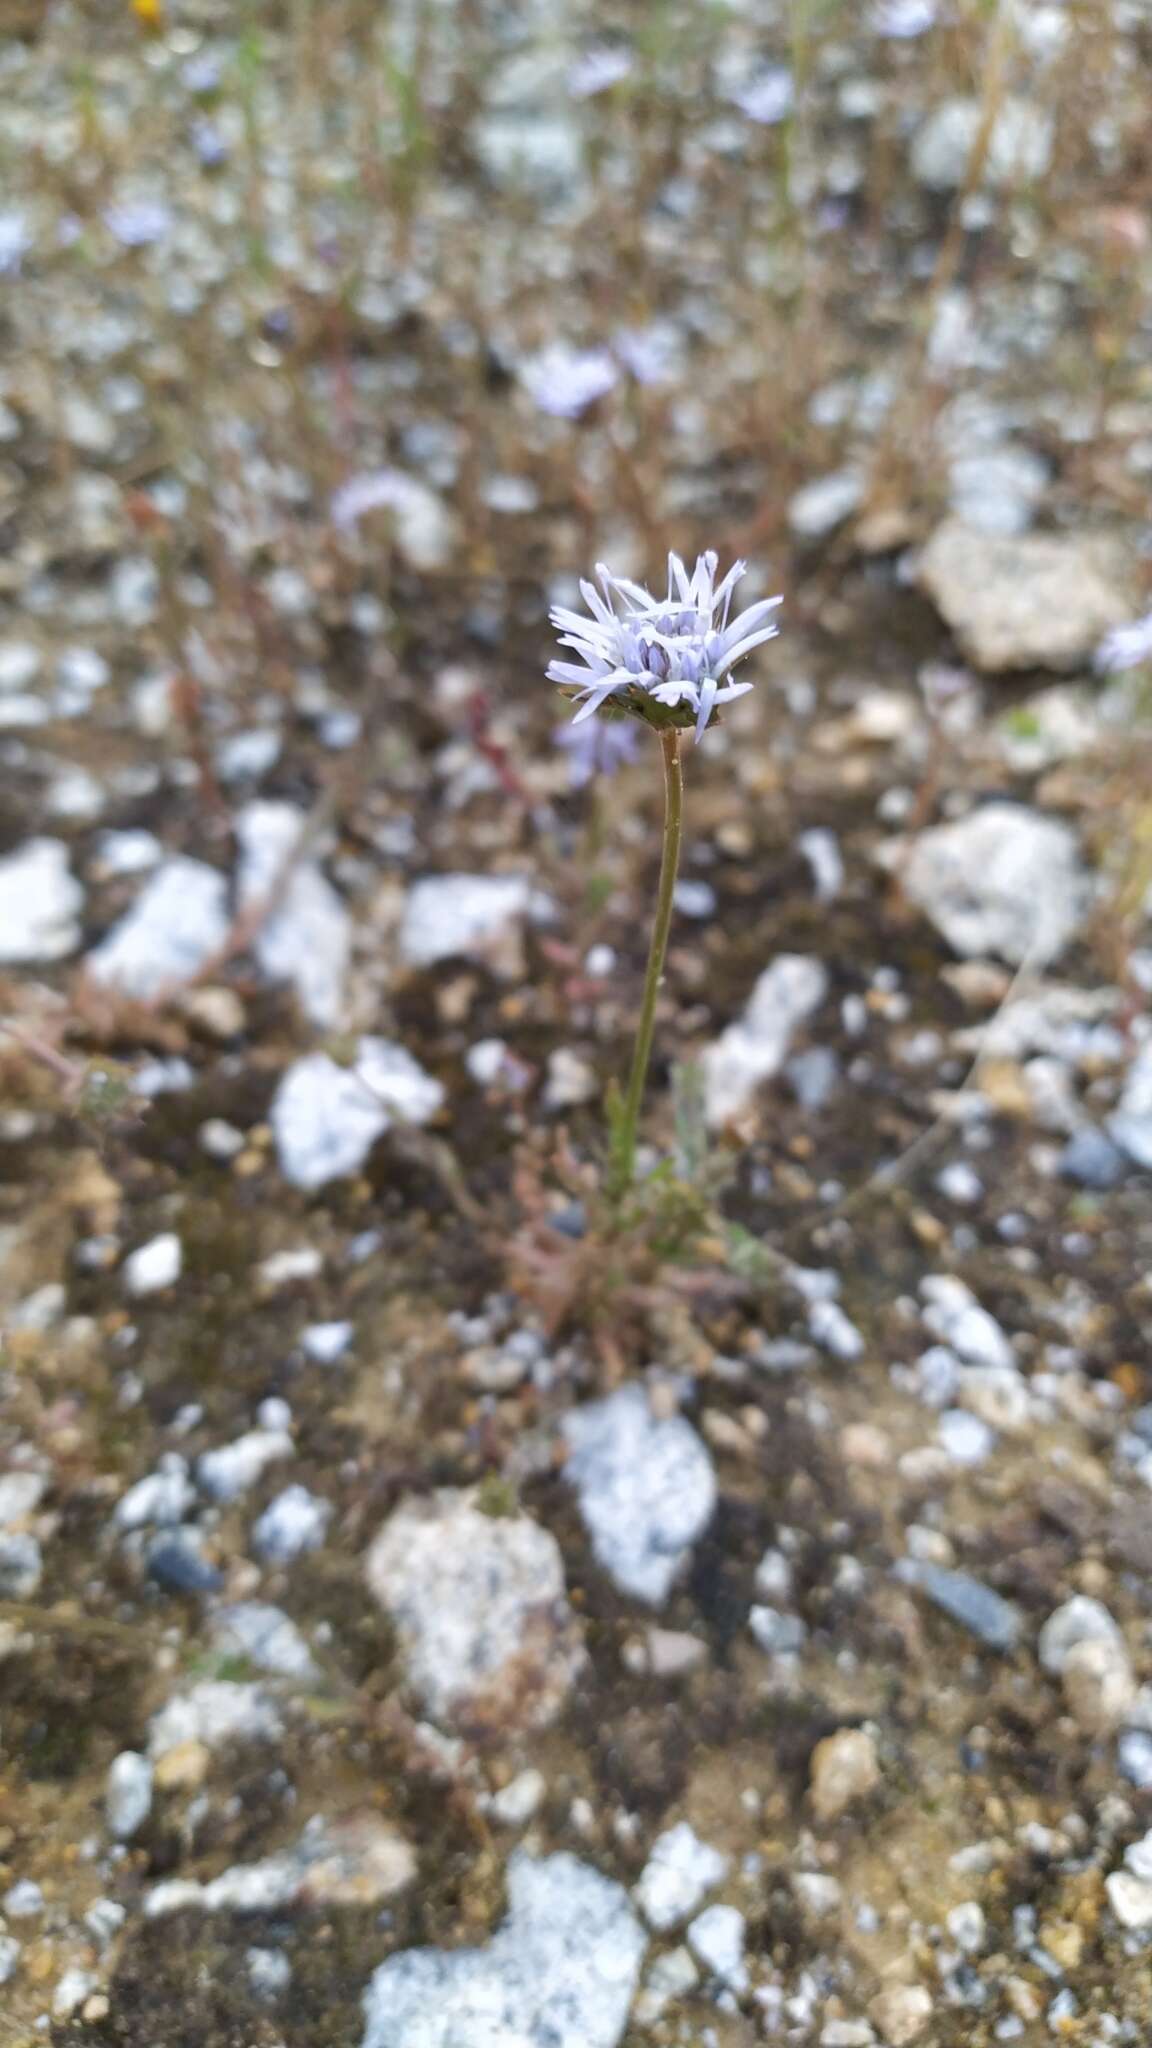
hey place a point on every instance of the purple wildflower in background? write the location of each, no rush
(675, 653)
(565, 380)
(208, 143)
(903, 19)
(138, 222)
(201, 74)
(768, 97)
(1125, 647)
(598, 70)
(599, 747)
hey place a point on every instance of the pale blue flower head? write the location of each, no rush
(1125, 647)
(667, 660)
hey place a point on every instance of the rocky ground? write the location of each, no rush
(427, 1619)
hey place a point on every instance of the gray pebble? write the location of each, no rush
(974, 1606)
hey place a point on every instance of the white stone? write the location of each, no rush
(155, 1265)
(1080, 1620)
(716, 1938)
(1099, 1684)
(10, 1952)
(825, 503)
(20, 664)
(1130, 1125)
(21, 1566)
(234, 1468)
(514, 1805)
(679, 1873)
(177, 924)
(1019, 146)
(1003, 881)
(817, 1896)
(569, 1081)
(74, 1987)
(356, 1861)
(446, 915)
(845, 1768)
(480, 1607)
(646, 1489)
(998, 1395)
(560, 1973)
(160, 1500)
(955, 1316)
(325, 1343)
(834, 1332)
(40, 902)
(1138, 1857)
(128, 853)
(326, 1118)
(291, 1525)
(20, 1496)
(307, 939)
(902, 2012)
(967, 1926)
(1029, 601)
(671, 1977)
(265, 1636)
(754, 1048)
(1130, 1899)
(128, 1794)
(23, 1900)
(996, 489)
(215, 1711)
(965, 1438)
(269, 1971)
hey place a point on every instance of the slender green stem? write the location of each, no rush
(624, 1164)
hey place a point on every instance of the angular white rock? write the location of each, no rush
(678, 1874)
(447, 915)
(307, 939)
(1003, 881)
(295, 1522)
(155, 1265)
(1080, 1620)
(40, 902)
(326, 1118)
(646, 1489)
(128, 1794)
(754, 1048)
(160, 1500)
(263, 1634)
(1032, 601)
(232, 1469)
(215, 1711)
(955, 1316)
(480, 1607)
(1130, 1899)
(1130, 1124)
(176, 925)
(560, 1973)
(716, 1938)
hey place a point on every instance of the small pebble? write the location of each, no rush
(128, 1794)
(844, 1769)
(154, 1266)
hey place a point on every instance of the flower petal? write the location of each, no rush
(707, 699)
(595, 698)
(744, 647)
